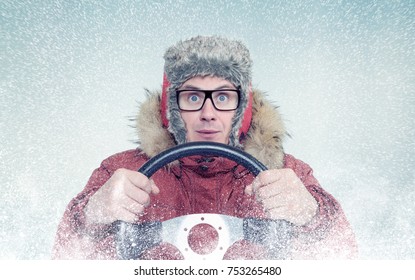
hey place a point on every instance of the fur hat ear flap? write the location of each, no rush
(164, 101)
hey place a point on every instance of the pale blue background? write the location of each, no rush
(343, 73)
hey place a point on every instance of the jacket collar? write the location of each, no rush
(263, 140)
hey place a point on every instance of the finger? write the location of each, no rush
(272, 202)
(134, 207)
(249, 190)
(269, 191)
(127, 216)
(137, 195)
(139, 180)
(129, 210)
(263, 179)
(140, 195)
(154, 188)
(126, 210)
(269, 176)
(276, 213)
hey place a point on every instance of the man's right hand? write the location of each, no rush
(123, 197)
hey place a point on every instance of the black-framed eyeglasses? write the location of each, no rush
(194, 99)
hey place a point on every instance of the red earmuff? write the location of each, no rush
(246, 121)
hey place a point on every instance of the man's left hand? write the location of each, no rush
(283, 196)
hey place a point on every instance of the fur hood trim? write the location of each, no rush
(263, 140)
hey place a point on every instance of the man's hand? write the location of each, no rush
(283, 196)
(123, 197)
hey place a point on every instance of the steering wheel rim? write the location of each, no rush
(205, 149)
(132, 239)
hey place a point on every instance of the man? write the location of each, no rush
(206, 96)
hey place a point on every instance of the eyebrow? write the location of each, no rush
(198, 88)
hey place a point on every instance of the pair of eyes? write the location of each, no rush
(197, 98)
(217, 96)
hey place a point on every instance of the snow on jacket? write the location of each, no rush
(199, 184)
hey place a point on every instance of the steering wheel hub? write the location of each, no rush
(203, 239)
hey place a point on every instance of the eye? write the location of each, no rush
(223, 98)
(194, 98)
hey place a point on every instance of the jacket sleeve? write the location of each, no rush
(73, 239)
(329, 234)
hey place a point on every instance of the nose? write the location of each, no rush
(208, 111)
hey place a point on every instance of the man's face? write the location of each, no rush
(208, 124)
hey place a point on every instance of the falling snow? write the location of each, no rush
(342, 73)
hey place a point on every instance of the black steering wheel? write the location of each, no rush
(134, 239)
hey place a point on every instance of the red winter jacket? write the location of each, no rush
(207, 185)
(204, 187)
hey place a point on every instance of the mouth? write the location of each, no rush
(206, 133)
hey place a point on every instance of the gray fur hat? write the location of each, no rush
(207, 56)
